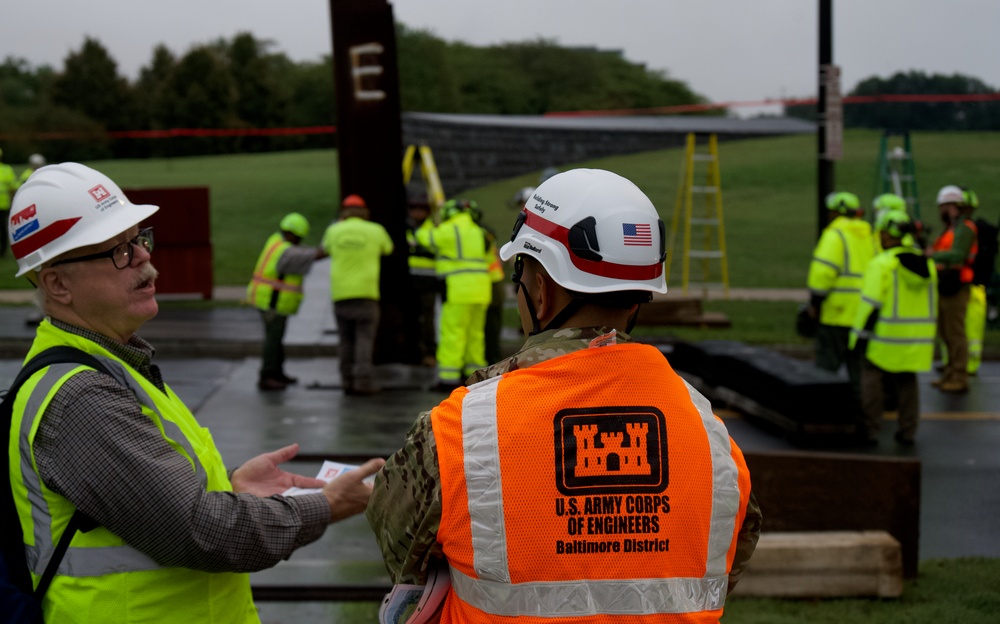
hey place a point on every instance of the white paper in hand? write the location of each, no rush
(328, 472)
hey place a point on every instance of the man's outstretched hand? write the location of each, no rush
(262, 475)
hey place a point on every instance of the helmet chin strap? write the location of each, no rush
(564, 315)
(518, 285)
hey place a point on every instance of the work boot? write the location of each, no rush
(270, 384)
(288, 380)
(954, 386)
(363, 389)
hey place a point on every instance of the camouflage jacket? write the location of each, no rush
(405, 507)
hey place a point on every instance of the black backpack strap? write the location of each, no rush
(79, 520)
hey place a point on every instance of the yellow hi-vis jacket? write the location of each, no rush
(572, 490)
(267, 289)
(460, 246)
(101, 578)
(838, 263)
(905, 302)
(421, 258)
(8, 185)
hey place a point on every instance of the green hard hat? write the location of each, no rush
(296, 224)
(843, 202)
(970, 199)
(894, 223)
(889, 201)
(454, 206)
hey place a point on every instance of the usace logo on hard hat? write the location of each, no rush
(99, 192)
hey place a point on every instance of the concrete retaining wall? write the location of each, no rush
(473, 150)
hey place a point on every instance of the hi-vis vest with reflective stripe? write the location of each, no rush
(903, 337)
(461, 260)
(102, 579)
(421, 258)
(267, 289)
(596, 483)
(844, 249)
(944, 243)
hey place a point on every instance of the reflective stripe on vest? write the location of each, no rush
(944, 242)
(902, 338)
(101, 578)
(270, 291)
(841, 296)
(492, 589)
(89, 561)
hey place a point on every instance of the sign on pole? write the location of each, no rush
(833, 117)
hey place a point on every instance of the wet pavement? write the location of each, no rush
(211, 359)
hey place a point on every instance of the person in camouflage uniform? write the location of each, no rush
(438, 501)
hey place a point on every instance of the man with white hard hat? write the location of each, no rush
(954, 253)
(174, 536)
(580, 479)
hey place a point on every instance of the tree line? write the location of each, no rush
(942, 116)
(244, 83)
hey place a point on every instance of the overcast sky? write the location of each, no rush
(726, 50)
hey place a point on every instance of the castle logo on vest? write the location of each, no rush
(610, 450)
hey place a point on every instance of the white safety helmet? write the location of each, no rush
(594, 232)
(36, 161)
(64, 207)
(522, 196)
(950, 194)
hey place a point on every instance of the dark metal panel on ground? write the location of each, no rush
(807, 399)
(810, 491)
(183, 237)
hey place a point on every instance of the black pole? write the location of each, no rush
(825, 173)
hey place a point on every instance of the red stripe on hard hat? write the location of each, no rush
(602, 268)
(42, 237)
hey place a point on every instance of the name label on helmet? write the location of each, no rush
(531, 247)
(543, 203)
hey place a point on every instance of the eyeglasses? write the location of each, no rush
(121, 255)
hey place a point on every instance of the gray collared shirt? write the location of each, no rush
(95, 447)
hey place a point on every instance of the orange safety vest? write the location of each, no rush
(570, 489)
(944, 242)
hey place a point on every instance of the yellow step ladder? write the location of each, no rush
(707, 217)
(428, 171)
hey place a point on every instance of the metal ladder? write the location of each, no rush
(428, 171)
(897, 171)
(708, 218)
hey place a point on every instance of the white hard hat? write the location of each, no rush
(64, 207)
(594, 232)
(950, 194)
(522, 196)
(36, 161)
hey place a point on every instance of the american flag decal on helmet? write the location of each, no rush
(637, 235)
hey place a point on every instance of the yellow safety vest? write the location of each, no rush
(838, 263)
(421, 258)
(903, 337)
(461, 260)
(8, 184)
(101, 578)
(270, 291)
